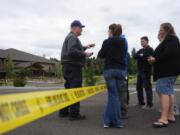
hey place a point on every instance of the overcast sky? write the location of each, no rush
(40, 26)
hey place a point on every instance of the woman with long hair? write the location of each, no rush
(113, 51)
(166, 61)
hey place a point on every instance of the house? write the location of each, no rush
(37, 65)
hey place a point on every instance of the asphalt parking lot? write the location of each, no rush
(138, 123)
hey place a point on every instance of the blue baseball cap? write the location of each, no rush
(77, 23)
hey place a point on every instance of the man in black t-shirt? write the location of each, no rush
(144, 74)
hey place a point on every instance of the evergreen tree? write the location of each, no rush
(89, 72)
(9, 67)
(58, 70)
(133, 62)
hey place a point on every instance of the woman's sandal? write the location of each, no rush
(160, 124)
(171, 121)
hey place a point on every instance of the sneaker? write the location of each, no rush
(79, 117)
(176, 113)
(106, 126)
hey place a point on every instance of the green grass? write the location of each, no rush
(132, 79)
(8, 83)
(100, 79)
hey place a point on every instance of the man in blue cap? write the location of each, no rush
(72, 59)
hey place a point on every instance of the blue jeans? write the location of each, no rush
(114, 80)
(175, 104)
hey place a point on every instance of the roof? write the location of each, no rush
(23, 56)
(24, 64)
(2, 53)
(28, 64)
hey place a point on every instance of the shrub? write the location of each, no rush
(1, 83)
(20, 77)
(89, 74)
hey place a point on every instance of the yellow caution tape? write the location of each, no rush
(19, 109)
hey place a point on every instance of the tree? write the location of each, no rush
(133, 62)
(54, 60)
(9, 67)
(133, 52)
(89, 73)
(98, 63)
(58, 70)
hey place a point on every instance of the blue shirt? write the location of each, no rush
(126, 59)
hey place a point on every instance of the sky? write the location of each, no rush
(40, 26)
